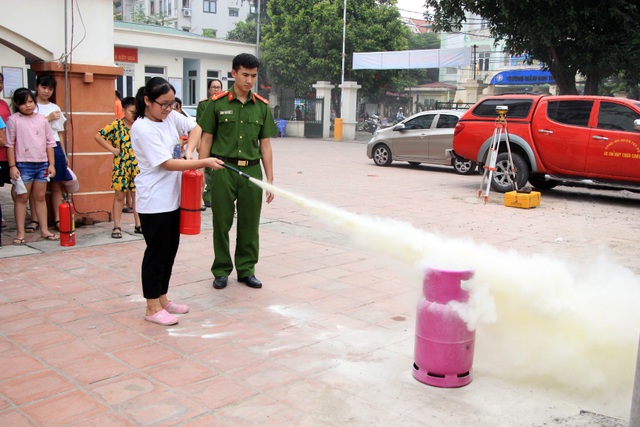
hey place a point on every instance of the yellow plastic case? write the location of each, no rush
(513, 199)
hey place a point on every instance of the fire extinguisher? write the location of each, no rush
(191, 202)
(67, 224)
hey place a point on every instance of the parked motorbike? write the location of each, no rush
(371, 124)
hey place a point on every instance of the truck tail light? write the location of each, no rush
(459, 128)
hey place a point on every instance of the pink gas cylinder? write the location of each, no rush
(443, 353)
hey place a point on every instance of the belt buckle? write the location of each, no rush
(243, 162)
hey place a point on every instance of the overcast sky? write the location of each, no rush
(411, 8)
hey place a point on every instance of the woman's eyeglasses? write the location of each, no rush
(167, 105)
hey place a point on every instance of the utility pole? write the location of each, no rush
(258, 43)
(475, 62)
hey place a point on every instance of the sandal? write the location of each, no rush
(51, 237)
(127, 209)
(31, 228)
(162, 318)
(138, 229)
(116, 233)
(19, 241)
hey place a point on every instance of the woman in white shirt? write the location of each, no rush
(155, 137)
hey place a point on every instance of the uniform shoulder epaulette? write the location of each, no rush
(219, 95)
(256, 96)
(202, 100)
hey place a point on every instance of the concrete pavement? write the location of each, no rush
(328, 341)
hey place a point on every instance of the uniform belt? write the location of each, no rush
(239, 162)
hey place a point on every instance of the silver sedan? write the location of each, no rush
(425, 137)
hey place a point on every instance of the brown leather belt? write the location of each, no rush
(239, 162)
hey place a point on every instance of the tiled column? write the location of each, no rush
(91, 107)
(349, 108)
(323, 90)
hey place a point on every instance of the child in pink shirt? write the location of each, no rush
(30, 143)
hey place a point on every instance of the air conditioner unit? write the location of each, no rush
(186, 12)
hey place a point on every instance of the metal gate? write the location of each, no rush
(312, 110)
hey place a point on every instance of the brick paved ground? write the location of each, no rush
(329, 339)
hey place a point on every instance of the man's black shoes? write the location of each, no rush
(220, 282)
(251, 281)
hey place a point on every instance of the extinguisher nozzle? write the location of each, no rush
(242, 174)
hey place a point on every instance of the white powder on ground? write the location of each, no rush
(539, 320)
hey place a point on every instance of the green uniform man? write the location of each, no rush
(236, 128)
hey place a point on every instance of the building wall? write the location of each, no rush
(195, 15)
(40, 24)
(179, 55)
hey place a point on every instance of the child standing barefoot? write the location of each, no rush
(115, 138)
(155, 137)
(30, 143)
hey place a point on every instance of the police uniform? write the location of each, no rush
(237, 129)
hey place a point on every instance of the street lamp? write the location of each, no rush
(338, 123)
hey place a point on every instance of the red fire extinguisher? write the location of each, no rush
(67, 224)
(191, 202)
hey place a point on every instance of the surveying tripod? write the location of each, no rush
(492, 157)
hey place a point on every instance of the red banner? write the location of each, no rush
(125, 54)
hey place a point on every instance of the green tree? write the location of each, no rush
(569, 36)
(245, 32)
(138, 15)
(302, 42)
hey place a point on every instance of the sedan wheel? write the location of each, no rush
(382, 155)
(464, 166)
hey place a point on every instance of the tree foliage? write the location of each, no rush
(570, 36)
(302, 42)
(138, 15)
(244, 31)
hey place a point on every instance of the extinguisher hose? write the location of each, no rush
(242, 174)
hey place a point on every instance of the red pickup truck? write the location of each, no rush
(554, 140)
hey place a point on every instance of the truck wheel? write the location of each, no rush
(382, 155)
(542, 184)
(503, 179)
(463, 166)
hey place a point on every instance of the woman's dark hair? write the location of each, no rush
(154, 89)
(20, 97)
(179, 101)
(128, 101)
(46, 80)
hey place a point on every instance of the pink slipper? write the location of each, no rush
(174, 308)
(162, 318)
